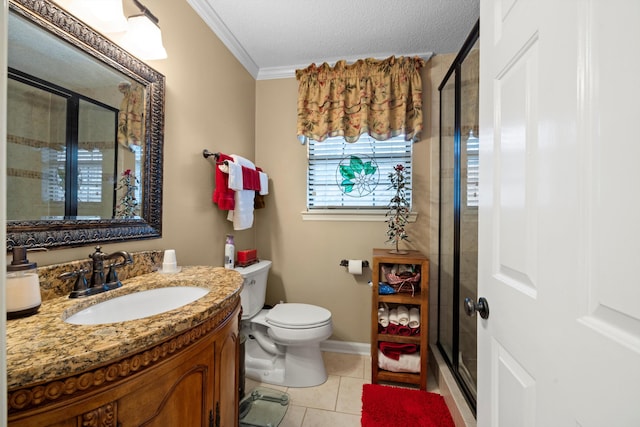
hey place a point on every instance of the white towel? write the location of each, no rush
(414, 317)
(406, 363)
(393, 316)
(242, 215)
(264, 183)
(403, 315)
(383, 316)
(235, 175)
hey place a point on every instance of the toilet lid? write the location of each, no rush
(298, 316)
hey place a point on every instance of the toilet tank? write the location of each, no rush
(254, 287)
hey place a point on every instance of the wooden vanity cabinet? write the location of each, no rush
(196, 385)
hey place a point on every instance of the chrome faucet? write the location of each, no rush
(98, 282)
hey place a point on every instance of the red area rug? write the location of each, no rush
(385, 406)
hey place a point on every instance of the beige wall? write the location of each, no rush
(213, 102)
(209, 104)
(306, 254)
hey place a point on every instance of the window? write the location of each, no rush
(344, 175)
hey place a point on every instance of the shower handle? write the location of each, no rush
(482, 307)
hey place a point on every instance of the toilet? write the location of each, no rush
(282, 344)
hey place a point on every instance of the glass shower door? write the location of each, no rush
(447, 274)
(468, 276)
(458, 253)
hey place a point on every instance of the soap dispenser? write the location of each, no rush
(23, 286)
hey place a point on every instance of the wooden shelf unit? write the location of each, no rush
(420, 299)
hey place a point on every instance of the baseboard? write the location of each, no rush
(346, 347)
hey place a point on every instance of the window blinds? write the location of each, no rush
(355, 175)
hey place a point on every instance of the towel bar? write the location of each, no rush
(206, 154)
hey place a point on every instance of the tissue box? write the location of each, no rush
(247, 257)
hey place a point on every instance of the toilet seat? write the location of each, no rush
(298, 316)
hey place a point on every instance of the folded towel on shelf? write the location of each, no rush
(403, 315)
(383, 316)
(391, 329)
(404, 363)
(414, 317)
(393, 316)
(404, 331)
(393, 350)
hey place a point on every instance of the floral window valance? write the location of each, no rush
(130, 116)
(380, 97)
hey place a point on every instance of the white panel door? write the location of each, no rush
(559, 234)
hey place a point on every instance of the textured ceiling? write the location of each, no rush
(273, 38)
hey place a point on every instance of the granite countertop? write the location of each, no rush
(42, 347)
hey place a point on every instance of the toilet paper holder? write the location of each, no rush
(345, 263)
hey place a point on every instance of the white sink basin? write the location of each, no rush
(137, 305)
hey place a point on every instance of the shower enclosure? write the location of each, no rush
(458, 230)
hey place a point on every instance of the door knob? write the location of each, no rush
(482, 307)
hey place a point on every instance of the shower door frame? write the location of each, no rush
(454, 72)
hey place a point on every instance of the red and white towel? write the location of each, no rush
(237, 182)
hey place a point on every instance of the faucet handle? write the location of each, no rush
(112, 281)
(112, 276)
(80, 288)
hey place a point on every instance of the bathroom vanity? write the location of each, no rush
(179, 367)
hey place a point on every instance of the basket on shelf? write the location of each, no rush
(404, 282)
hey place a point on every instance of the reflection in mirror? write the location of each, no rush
(84, 134)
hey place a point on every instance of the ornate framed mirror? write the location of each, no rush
(85, 134)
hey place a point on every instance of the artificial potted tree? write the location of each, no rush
(398, 214)
(128, 206)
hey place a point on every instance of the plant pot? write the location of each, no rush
(398, 252)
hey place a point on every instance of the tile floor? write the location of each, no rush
(337, 402)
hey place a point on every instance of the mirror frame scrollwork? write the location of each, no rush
(69, 233)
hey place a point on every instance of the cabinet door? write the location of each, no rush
(227, 350)
(180, 393)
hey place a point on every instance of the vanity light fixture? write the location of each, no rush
(143, 37)
(106, 16)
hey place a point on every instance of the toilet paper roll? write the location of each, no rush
(355, 266)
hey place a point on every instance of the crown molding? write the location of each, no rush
(212, 19)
